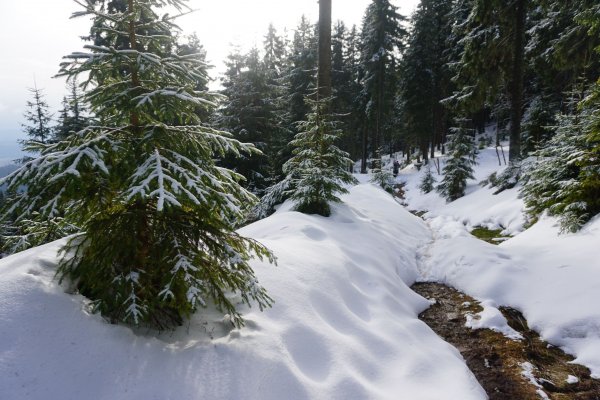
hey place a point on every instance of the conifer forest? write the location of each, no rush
(400, 206)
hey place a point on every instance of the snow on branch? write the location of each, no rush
(221, 142)
(177, 93)
(174, 178)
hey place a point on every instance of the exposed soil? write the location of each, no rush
(498, 362)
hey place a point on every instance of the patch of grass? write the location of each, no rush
(493, 236)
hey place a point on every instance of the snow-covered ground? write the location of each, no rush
(553, 279)
(344, 325)
(479, 206)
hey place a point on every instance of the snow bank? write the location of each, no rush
(553, 279)
(479, 206)
(344, 324)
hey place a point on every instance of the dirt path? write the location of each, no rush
(507, 369)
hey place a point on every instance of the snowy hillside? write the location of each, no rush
(479, 207)
(552, 278)
(344, 324)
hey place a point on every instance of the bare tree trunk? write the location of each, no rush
(516, 82)
(324, 75)
(365, 154)
(379, 111)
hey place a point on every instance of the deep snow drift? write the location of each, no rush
(344, 325)
(552, 278)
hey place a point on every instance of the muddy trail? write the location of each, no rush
(527, 369)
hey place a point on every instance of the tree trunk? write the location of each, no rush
(365, 154)
(135, 80)
(379, 109)
(516, 82)
(324, 75)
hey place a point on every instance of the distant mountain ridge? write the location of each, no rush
(7, 169)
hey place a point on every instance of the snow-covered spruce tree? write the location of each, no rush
(156, 214)
(459, 165)
(318, 169)
(428, 181)
(565, 177)
(552, 183)
(382, 176)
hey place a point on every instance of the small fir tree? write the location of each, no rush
(156, 214)
(458, 167)
(38, 117)
(428, 181)
(318, 169)
(382, 176)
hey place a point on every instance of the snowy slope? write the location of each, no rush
(479, 206)
(553, 279)
(344, 325)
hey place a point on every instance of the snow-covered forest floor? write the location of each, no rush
(345, 322)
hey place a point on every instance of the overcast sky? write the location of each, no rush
(35, 34)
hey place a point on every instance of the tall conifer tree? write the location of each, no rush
(382, 37)
(425, 79)
(493, 35)
(302, 68)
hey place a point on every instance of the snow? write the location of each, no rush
(552, 278)
(528, 373)
(493, 319)
(478, 207)
(344, 324)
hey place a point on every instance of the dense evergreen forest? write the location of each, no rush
(139, 123)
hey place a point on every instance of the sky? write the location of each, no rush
(36, 34)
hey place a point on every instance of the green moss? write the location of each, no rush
(489, 235)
